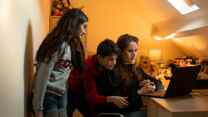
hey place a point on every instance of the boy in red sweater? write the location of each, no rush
(101, 87)
(100, 84)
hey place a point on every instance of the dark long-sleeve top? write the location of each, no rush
(129, 71)
(130, 77)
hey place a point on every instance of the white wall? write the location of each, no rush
(15, 18)
(111, 18)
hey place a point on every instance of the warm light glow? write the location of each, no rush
(194, 42)
(158, 38)
(172, 35)
(155, 54)
(183, 7)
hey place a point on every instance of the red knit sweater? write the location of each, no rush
(88, 81)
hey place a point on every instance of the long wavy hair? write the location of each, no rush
(67, 30)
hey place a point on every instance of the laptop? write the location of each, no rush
(180, 84)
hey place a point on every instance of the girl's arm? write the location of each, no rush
(39, 87)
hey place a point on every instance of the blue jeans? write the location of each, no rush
(54, 103)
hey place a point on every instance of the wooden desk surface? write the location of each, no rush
(184, 104)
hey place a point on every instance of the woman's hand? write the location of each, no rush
(145, 82)
(146, 87)
(119, 101)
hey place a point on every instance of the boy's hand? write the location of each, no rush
(119, 101)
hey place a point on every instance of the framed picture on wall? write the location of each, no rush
(59, 6)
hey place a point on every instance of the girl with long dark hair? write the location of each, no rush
(59, 53)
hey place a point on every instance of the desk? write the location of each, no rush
(189, 106)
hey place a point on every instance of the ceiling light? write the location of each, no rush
(183, 7)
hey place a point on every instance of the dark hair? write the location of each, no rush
(107, 48)
(124, 40)
(67, 30)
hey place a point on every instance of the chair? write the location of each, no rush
(110, 115)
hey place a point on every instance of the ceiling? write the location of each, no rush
(139, 16)
(192, 27)
(165, 19)
(160, 10)
(157, 10)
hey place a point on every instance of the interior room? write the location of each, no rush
(167, 34)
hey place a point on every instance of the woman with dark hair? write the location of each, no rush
(132, 77)
(59, 53)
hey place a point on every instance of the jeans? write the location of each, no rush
(54, 103)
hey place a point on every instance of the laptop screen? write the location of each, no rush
(182, 80)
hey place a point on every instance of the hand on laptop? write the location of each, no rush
(146, 87)
(145, 82)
